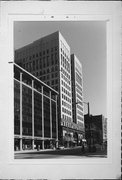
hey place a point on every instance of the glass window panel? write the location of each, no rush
(26, 110)
(16, 107)
(53, 119)
(37, 114)
(46, 117)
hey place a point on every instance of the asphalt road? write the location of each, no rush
(60, 154)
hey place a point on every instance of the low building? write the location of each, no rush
(35, 112)
(104, 130)
(94, 129)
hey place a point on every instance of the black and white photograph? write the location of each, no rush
(60, 90)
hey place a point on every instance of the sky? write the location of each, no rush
(87, 40)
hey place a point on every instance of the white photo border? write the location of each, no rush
(35, 13)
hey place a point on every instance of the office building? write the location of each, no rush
(48, 58)
(35, 112)
(77, 93)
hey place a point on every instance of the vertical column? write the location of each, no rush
(50, 117)
(42, 119)
(20, 111)
(32, 114)
(56, 124)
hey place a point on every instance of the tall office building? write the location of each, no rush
(48, 58)
(77, 93)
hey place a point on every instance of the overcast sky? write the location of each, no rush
(87, 40)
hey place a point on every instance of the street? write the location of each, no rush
(75, 153)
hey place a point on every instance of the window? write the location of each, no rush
(52, 75)
(47, 60)
(48, 70)
(56, 81)
(56, 68)
(52, 82)
(56, 48)
(52, 69)
(48, 76)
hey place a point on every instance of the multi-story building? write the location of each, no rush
(35, 112)
(48, 58)
(77, 94)
(104, 129)
(94, 130)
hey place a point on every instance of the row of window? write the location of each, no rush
(65, 85)
(78, 70)
(64, 49)
(66, 117)
(79, 107)
(80, 118)
(64, 103)
(78, 78)
(65, 78)
(46, 72)
(66, 98)
(66, 92)
(65, 73)
(66, 111)
(29, 51)
(79, 97)
(41, 63)
(79, 92)
(78, 87)
(80, 113)
(65, 63)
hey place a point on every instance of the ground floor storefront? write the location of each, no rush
(71, 137)
(29, 143)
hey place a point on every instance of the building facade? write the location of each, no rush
(48, 58)
(35, 112)
(94, 130)
(77, 94)
(104, 129)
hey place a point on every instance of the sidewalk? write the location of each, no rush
(45, 150)
(34, 150)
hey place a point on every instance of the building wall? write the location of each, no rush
(94, 129)
(104, 129)
(35, 110)
(77, 91)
